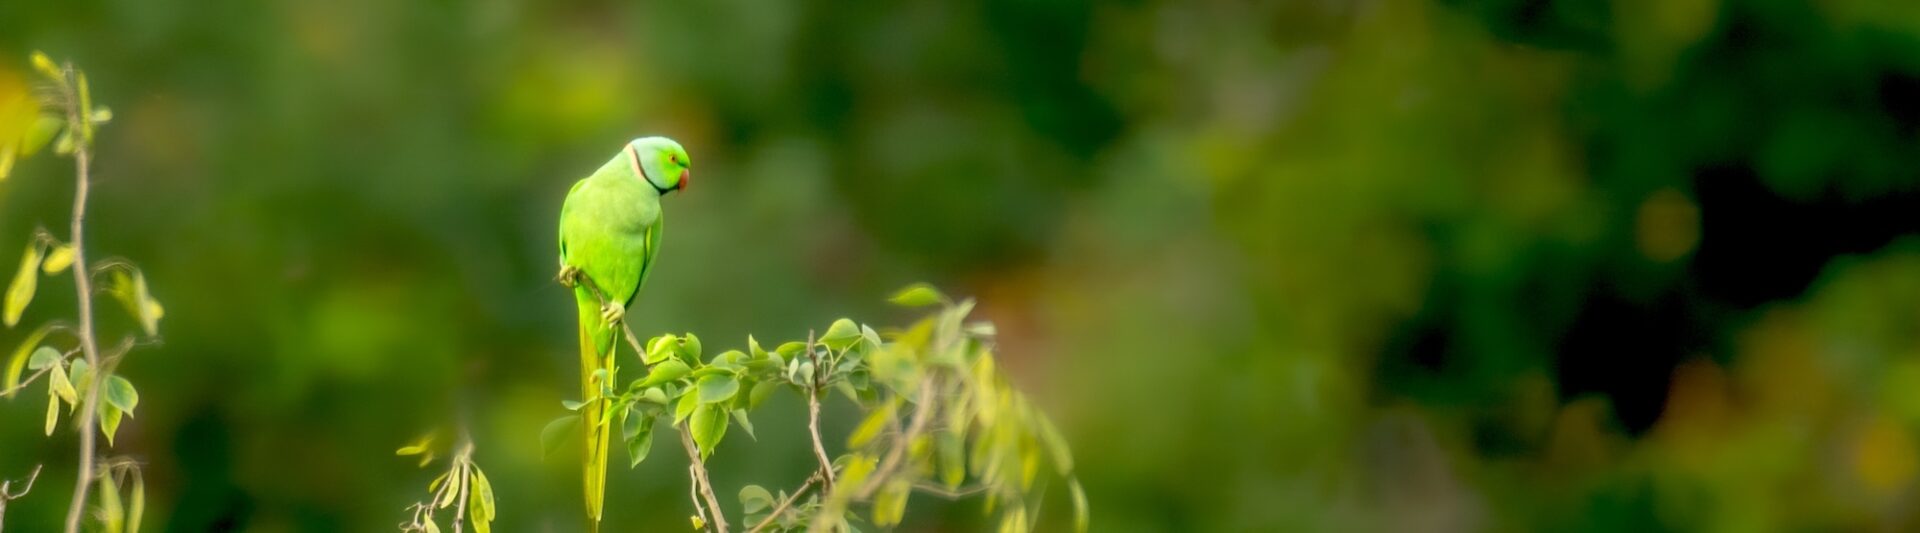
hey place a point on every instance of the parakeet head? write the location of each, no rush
(661, 162)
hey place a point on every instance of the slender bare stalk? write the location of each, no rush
(813, 417)
(83, 288)
(921, 414)
(701, 481)
(460, 475)
(7, 494)
(784, 504)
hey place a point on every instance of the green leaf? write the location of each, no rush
(639, 438)
(754, 498)
(688, 401)
(44, 356)
(21, 291)
(654, 395)
(665, 371)
(120, 393)
(661, 348)
(718, 388)
(109, 421)
(760, 393)
(753, 347)
(58, 259)
(709, 425)
(790, 349)
(690, 348)
(917, 295)
(558, 432)
(1079, 504)
(572, 405)
(740, 417)
(842, 334)
(872, 425)
(80, 374)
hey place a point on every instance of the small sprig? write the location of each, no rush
(463, 486)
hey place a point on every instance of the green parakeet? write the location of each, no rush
(609, 237)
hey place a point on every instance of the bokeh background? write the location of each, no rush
(1313, 265)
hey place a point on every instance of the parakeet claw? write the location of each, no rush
(612, 313)
(569, 276)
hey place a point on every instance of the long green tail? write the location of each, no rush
(596, 352)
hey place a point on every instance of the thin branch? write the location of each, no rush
(6, 490)
(950, 494)
(460, 473)
(921, 413)
(704, 483)
(813, 416)
(83, 287)
(784, 504)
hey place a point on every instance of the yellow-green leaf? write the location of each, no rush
(149, 311)
(917, 295)
(137, 509)
(891, 503)
(42, 131)
(58, 383)
(1079, 504)
(58, 259)
(482, 500)
(24, 353)
(112, 514)
(53, 413)
(418, 446)
(109, 421)
(21, 291)
(7, 155)
(45, 65)
(872, 425)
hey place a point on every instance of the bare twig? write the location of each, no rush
(950, 494)
(701, 481)
(7, 493)
(784, 504)
(921, 414)
(460, 476)
(813, 417)
(83, 286)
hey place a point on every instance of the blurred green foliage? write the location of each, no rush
(1456, 265)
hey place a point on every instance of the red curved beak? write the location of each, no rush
(685, 176)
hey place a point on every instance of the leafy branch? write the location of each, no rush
(79, 376)
(463, 486)
(8, 494)
(939, 419)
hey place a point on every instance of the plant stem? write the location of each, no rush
(784, 504)
(813, 418)
(702, 482)
(83, 288)
(460, 476)
(7, 494)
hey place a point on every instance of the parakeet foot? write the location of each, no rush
(569, 276)
(611, 313)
